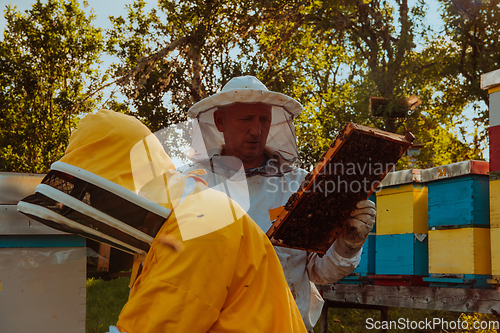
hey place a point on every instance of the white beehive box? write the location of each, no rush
(42, 270)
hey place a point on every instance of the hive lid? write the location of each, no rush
(490, 80)
(14, 223)
(15, 186)
(455, 170)
(401, 177)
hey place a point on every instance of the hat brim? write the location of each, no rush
(109, 186)
(60, 222)
(100, 210)
(246, 95)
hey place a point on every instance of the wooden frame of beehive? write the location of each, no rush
(315, 215)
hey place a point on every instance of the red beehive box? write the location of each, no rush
(494, 148)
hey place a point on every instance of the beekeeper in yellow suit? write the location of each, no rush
(210, 268)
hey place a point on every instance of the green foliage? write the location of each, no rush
(450, 66)
(376, 55)
(442, 147)
(48, 59)
(105, 300)
(468, 48)
(471, 29)
(331, 55)
(183, 54)
(479, 320)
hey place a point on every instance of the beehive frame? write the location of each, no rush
(306, 223)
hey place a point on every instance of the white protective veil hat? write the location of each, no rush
(245, 89)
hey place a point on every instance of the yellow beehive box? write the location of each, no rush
(495, 203)
(460, 251)
(402, 209)
(495, 251)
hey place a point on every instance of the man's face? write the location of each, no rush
(245, 128)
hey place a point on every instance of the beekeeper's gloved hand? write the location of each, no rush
(356, 229)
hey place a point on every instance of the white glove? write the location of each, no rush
(113, 329)
(356, 230)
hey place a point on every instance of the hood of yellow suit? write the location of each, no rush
(122, 150)
(118, 148)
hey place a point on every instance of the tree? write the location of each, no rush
(331, 55)
(379, 58)
(185, 52)
(313, 68)
(450, 67)
(48, 60)
(473, 48)
(342, 53)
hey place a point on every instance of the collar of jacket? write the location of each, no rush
(277, 165)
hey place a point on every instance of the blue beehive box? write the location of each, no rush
(402, 254)
(458, 195)
(367, 264)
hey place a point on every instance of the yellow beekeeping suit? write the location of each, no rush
(229, 280)
(226, 278)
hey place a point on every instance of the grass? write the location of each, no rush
(105, 300)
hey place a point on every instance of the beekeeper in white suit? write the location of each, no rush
(247, 121)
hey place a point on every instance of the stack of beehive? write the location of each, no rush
(491, 81)
(459, 221)
(401, 235)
